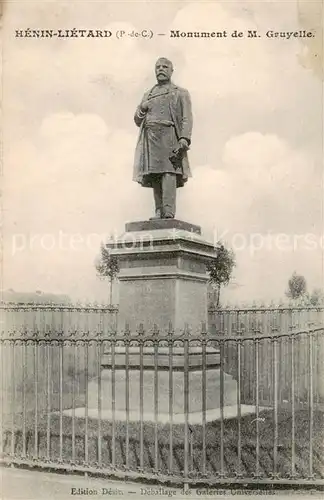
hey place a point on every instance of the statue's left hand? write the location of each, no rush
(182, 145)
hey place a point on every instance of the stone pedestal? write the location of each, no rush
(163, 276)
(163, 280)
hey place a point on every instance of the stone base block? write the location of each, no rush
(160, 386)
(161, 374)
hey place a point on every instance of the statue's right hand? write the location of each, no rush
(145, 106)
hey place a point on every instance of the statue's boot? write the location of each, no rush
(169, 185)
(158, 215)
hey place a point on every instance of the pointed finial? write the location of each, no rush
(203, 328)
(155, 330)
(127, 329)
(140, 329)
(170, 329)
(186, 330)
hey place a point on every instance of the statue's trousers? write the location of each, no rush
(164, 187)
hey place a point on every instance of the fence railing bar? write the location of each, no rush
(113, 404)
(86, 397)
(176, 479)
(102, 308)
(3, 390)
(36, 399)
(141, 391)
(127, 404)
(24, 365)
(245, 351)
(257, 410)
(61, 397)
(284, 326)
(293, 410)
(221, 396)
(253, 310)
(265, 376)
(286, 367)
(204, 406)
(170, 407)
(156, 407)
(48, 400)
(239, 411)
(275, 408)
(318, 365)
(33, 307)
(74, 371)
(99, 403)
(196, 336)
(186, 412)
(311, 403)
(301, 346)
(13, 398)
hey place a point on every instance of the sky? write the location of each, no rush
(69, 138)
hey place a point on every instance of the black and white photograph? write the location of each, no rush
(162, 272)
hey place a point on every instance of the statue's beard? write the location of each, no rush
(162, 77)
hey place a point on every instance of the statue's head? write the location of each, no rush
(163, 70)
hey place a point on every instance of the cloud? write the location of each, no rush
(264, 201)
(79, 173)
(256, 166)
(268, 164)
(69, 126)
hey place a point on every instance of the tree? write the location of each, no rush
(296, 286)
(220, 268)
(316, 298)
(107, 267)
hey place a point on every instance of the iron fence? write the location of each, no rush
(54, 317)
(130, 405)
(263, 319)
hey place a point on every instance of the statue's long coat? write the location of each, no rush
(180, 110)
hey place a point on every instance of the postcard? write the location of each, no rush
(162, 233)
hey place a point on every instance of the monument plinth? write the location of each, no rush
(163, 276)
(163, 281)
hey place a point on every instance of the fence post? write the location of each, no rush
(204, 395)
(293, 398)
(275, 407)
(239, 437)
(186, 408)
(311, 403)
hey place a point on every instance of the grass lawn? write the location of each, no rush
(161, 435)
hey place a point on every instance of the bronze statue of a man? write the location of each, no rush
(165, 120)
